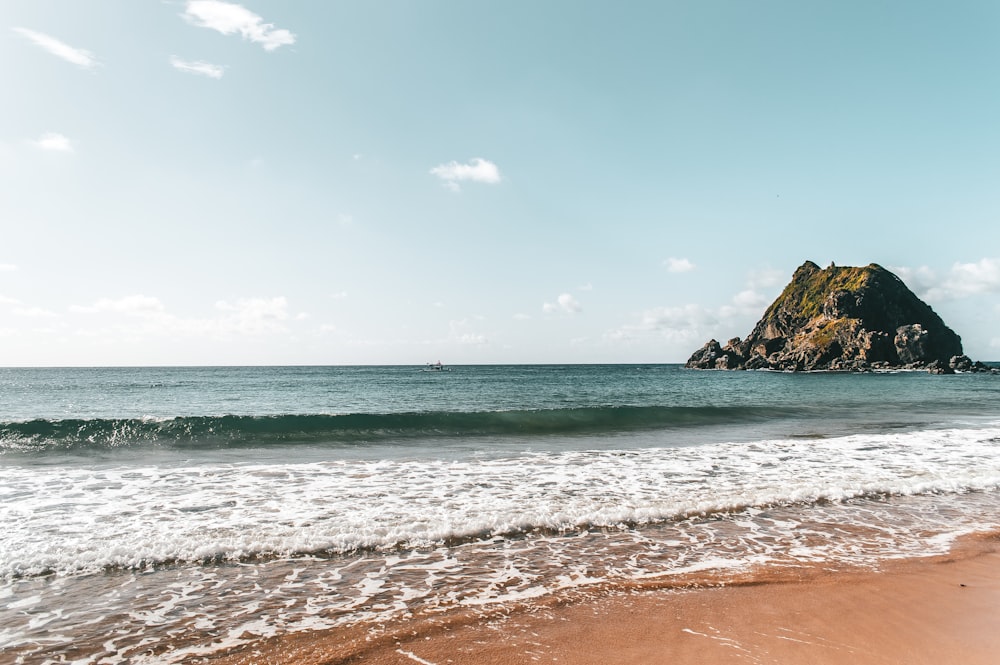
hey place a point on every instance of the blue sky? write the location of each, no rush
(206, 182)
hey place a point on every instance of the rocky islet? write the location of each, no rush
(847, 319)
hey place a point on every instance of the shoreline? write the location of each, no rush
(940, 609)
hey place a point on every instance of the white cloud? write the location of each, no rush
(6, 300)
(54, 142)
(678, 265)
(77, 56)
(919, 280)
(569, 303)
(477, 170)
(963, 280)
(7, 267)
(564, 303)
(198, 67)
(230, 18)
(972, 278)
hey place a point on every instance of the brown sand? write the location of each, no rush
(941, 611)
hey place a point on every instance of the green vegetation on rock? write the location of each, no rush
(828, 331)
(805, 294)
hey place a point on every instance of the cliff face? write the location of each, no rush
(842, 318)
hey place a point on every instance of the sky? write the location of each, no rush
(404, 181)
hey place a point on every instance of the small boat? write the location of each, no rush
(436, 367)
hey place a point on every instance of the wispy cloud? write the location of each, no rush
(198, 67)
(140, 315)
(230, 18)
(54, 141)
(77, 56)
(477, 170)
(253, 316)
(678, 265)
(7, 267)
(685, 324)
(458, 333)
(765, 278)
(691, 324)
(750, 299)
(34, 313)
(565, 303)
(135, 305)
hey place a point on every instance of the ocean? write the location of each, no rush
(162, 515)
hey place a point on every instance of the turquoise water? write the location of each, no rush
(197, 508)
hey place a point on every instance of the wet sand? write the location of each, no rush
(939, 610)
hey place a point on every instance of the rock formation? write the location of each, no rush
(843, 318)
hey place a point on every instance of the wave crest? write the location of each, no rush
(245, 430)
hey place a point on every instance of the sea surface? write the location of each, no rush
(158, 515)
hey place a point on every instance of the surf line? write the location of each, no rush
(413, 656)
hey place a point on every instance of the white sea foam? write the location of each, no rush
(72, 519)
(567, 520)
(198, 609)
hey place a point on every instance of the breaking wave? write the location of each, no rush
(243, 430)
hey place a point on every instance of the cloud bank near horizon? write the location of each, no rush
(963, 280)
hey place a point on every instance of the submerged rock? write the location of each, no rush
(843, 318)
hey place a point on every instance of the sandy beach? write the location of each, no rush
(937, 610)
